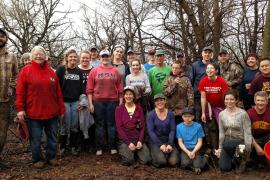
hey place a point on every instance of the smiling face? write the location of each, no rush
(260, 103)
(38, 55)
(72, 60)
(159, 60)
(207, 55)
(128, 96)
(265, 67)
(211, 70)
(118, 53)
(251, 62)
(223, 58)
(160, 103)
(105, 60)
(85, 60)
(135, 66)
(230, 101)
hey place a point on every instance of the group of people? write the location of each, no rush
(157, 113)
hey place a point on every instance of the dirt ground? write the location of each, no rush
(88, 166)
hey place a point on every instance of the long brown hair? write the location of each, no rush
(67, 53)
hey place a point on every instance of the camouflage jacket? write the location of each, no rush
(180, 95)
(8, 74)
(232, 73)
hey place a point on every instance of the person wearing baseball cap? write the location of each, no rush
(159, 73)
(105, 90)
(161, 130)
(197, 72)
(190, 139)
(94, 61)
(229, 70)
(180, 57)
(130, 124)
(8, 74)
(151, 60)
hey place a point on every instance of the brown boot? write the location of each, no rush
(39, 164)
(53, 162)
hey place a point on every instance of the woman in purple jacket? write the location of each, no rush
(130, 126)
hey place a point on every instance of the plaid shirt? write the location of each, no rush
(8, 73)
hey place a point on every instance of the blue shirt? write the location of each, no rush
(189, 134)
(161, 131)
(147, 67)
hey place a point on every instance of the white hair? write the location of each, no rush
(37, 47)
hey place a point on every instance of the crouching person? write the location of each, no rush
(234, 134)
(130, 126)
(161, 130)
(39, 102)
(190, 135)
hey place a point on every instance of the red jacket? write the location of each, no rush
(38, 92)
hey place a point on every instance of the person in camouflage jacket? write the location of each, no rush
(179, 91)
(229, 70)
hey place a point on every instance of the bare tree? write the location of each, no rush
(37, 22)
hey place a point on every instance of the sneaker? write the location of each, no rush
(53, 162)
(99, 153)
(197, 171)
(113, 151)
(74, 151)
(39, 164)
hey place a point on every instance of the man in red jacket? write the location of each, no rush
(39, 101)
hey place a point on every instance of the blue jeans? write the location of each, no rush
(36, 127)
(104, 117)
(227, 154)
(70, 122)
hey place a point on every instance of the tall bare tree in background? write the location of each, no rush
(266, 37)
(36, 22)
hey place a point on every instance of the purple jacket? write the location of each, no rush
(130, 129)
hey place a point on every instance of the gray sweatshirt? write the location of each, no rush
(140, 80)
(235, 125)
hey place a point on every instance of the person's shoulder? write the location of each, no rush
(180, 126)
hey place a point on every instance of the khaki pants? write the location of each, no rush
(4, 123)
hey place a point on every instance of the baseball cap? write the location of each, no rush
(159, 52)
(104, 52)
(130, 88)
(180, 54)
(130, 51)
(223, 51)
(208, 48)
(93, 48)
(187, 110)
(2, 30)
(159, 96)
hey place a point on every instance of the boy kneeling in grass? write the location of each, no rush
(190, 137)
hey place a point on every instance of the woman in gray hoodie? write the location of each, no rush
(234, 134)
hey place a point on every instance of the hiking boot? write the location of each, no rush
(39, 164)
(113, 151)
(53, 162)
(197, 171)
(99, 153)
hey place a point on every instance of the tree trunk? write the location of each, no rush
(266, 34)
